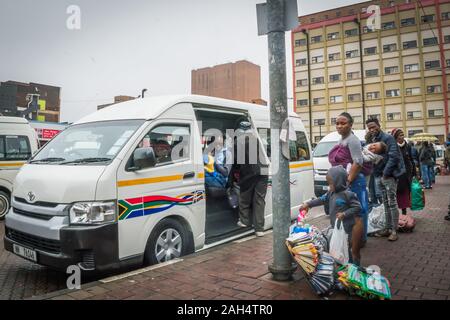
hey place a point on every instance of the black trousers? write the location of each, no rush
(252, 201)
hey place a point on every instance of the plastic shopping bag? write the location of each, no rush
(376, 219)
(339, 244)
(417, 196)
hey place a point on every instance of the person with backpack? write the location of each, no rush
(405, 180)
(389, 171)
(348, 153)
(427, 164)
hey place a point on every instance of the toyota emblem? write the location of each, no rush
(31, 196)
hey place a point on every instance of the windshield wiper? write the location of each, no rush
(87, 160)
(51, 159)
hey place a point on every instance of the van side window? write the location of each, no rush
(169, 142)
(299, 149)
(14, 148)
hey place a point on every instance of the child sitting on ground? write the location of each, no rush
(342, 204)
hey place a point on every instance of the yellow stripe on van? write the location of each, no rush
(300, 165)
(12, 164)
(128, 183)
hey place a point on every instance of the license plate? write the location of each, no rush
(325, 188)
(25, 252)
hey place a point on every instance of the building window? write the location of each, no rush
(434, 89)
(372, 73)
(393, 93)
(428, 18)
(446, 39)
(394, 116)
(316, 39)
(318, 101)
(366, 29)
(333, 121)
(351, 32)
(388, 25)
(391, 70)
(335, 77)
(408, 22)
(445, 15)
(411, 67)
(353, 75)
(437, 113)
(300, 62)
(414, 132)
(412, 91)
(373, 95)
(333, 36)
(318, 80)
(374, 116)
(447, 62)
(432, 64)
(302, 83)
(430, 41)
(317, 59)
(319, 122)
(336, 99)
(300, 42)
(354, 97)
(414, 115)
(334, 56)
(369, 51)
(390, 47)
(409, 44)
(352, 54)
(357, 119)
(302, 102)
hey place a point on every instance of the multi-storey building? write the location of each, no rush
(117, 99)
(398, 72)
(237, 81)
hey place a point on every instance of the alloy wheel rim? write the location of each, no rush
(168, 245)
(3, 206)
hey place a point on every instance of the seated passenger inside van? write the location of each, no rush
(217, 170)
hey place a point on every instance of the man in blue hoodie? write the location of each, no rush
(389, 170)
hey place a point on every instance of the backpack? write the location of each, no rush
(340, 155)
(406, 223)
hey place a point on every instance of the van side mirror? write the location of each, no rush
(143, 158)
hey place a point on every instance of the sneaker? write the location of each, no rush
(240, 224)
(259, 234)
(393, 236)
(382, 233)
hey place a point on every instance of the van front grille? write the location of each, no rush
(34, 242)
(37, 203)
(32, 214)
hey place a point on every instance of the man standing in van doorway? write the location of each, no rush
(252, 183)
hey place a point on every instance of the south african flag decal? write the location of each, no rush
(143, 206)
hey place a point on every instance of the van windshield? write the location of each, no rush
(94, 142)
(323, 148)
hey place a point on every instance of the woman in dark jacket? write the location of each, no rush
(404, 181)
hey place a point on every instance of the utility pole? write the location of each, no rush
(361, 63)
(280, 16)
(306, 33)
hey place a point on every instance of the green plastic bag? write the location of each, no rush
(417, 196)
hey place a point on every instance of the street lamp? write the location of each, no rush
(363, 94)
(143, 92)
(305, 32)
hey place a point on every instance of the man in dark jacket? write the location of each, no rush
(389, 169)
(252, 180)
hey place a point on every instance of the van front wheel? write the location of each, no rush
(4, 204)
(168, 240)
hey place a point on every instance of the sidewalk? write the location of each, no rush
(417, 266)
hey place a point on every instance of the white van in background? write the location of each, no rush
(18, 142)
(106, 191)
(321, 163)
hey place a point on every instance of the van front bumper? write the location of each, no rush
(91, 247)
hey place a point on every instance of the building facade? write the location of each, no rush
(14, 100)
(236, 81)
(117, 99)
(398, 72)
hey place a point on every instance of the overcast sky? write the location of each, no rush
(124, 46)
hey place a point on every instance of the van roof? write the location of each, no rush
(4, 119)
(334, 136)
(152, 107)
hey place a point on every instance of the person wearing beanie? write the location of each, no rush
(389, 170)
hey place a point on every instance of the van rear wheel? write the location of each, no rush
(4, 204)
(168, 240)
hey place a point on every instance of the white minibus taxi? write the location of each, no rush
(18, 142)
(105, 193)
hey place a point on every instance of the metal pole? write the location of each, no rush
(363, 91)
(309, 85)
(282, 267)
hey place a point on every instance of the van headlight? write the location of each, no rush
(93, 212)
